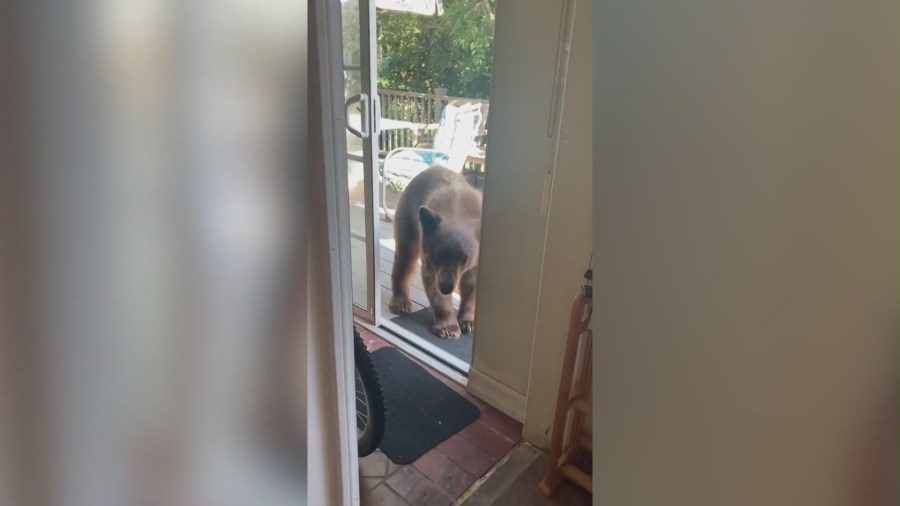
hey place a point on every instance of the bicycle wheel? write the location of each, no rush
(369, 399)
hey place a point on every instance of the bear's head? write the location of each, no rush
(449, 248)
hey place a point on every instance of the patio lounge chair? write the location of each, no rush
(454, 139)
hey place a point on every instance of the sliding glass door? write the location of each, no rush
(363, 122)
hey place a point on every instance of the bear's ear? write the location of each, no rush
(429, 220)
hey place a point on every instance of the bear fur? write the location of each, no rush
(438, 219)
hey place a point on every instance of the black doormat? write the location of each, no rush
(421, 411)
(419, 323)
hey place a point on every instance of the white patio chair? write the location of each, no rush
(454, 140)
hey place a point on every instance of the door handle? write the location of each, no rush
(363, 101)
(377, 109)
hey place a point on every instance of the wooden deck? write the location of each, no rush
(358, 256)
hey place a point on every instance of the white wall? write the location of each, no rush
(158, 229)
(746, 253)
(519, 155)
(569, 235)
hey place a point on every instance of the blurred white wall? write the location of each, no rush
(163, 149)
(746, 303)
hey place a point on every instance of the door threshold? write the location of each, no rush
(450, 360)
(413, 351)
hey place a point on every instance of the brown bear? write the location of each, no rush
(438, 218)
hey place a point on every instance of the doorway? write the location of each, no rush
(533, 41)
(413, 73)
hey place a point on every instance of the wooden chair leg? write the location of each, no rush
(550, 482)
(569, 401)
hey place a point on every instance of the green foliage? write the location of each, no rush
(453, 51)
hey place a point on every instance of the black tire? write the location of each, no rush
(369, 432)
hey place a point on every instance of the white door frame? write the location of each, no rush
(369, 89)
(337, 214)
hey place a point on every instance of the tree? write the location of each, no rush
(452, 51)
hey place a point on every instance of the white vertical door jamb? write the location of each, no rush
(328, 16)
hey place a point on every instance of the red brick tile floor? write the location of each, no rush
(445, 472)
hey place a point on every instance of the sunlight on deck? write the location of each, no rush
(388, 244)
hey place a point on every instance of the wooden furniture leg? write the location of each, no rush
(573, 400)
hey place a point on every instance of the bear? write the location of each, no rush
(438, 219)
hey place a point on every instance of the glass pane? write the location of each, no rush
(355, 167)
(352, 87)
(350, 29)
(358, 257)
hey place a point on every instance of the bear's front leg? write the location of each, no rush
(445, 324)
(467, 286)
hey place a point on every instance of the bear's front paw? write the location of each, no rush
(467, 325)
(400, 304)
(446, 329)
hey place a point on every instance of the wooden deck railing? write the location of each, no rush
(422, 108)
